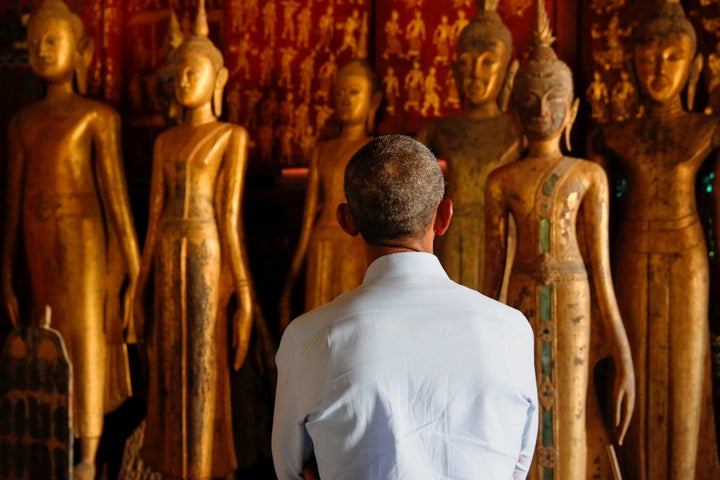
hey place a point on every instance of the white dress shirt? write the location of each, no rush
(409, 376)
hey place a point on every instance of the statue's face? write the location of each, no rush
(662, 66)
(480, 72)
(52, 48)
(353, 93)
(194, 80)
(542, 104)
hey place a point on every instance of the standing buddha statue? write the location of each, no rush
(660, 257)
(560, 206)
(476, 142)
(334, 261)
(195, 250)
(67, 200)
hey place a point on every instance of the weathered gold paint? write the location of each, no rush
(474, 143)
(67, 200)
(195, 251)
(660, 258)
(335, 261)
(562, 261)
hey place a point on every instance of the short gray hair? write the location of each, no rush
(393, 186)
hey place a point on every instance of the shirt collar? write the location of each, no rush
(402, 264)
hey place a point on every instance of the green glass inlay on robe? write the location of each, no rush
(547, 473)
(544, 235)
(545, 306)
(547, 428)
(546, 361)
(550, 184)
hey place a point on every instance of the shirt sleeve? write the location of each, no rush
(522, 467)
(291, 444)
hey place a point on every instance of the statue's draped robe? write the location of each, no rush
(552, 289)
(188, 394)
(472, 149)
(660, 268)
(335, 261)
(74, 261)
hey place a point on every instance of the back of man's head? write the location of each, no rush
(393, 186)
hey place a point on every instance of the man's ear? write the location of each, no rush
(345, 219)
(443, 216)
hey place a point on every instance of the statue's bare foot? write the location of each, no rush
(84, 470)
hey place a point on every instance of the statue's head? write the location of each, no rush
(483, 49)
(543, 96)
(358, 93)
(58, 45)
(200, 74)
(665, 47)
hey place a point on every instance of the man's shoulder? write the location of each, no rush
(311, 324)
(490, 308)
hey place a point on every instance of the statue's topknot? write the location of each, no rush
(59, 9)
(486, 25)
(667, 19)
(542, 60)
(199, 41)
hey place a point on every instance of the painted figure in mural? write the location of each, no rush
(597, 96)
(459, 24)
(307, 74)
(561, 207)
(334, 261)
(326, 26)
(624, 98)
(414, 87)
(391, 87)
(431, 97)
(289, 8)
(475, 142)
(660, 258)
(305, 24)
(288, 54)
(241, 51)
(267, 65)
(393, 46)
(194, 252)
(352, 23)
(67, 201)
(441, 39)
(415, 35)
(269, 17)
(325, 78)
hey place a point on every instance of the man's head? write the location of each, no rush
(393, 187)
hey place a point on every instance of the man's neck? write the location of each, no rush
(387, 247)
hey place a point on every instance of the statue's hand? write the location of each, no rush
(624, 394)
(135, 332)
(12, 308)
(242, 329)
(128, 323)
(11, 303)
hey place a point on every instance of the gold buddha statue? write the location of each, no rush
(660, 258)
(195, 251)
(334, 261)
(476, 142)
(67, 200)
(562, 260)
